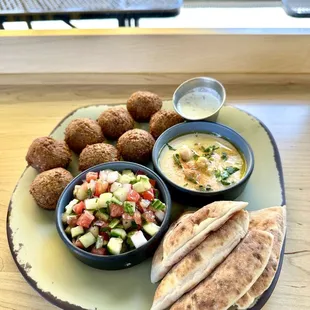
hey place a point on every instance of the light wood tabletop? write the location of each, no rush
(27, 112)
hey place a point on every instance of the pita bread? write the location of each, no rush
(189, 233)
(199, 263)
(233, 277)
(272, 220)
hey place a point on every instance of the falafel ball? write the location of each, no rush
(163, 120)
(48, 186)
(143, 104)
(97, 154)
(136, 145)
(115, 121)
(46, 153)
(81, 132)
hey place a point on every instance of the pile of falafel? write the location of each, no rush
(86, 137)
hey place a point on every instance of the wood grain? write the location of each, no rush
(149, 78)
(30, 111)
(152, 51)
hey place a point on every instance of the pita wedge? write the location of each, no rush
(199, 263)
(189, 233)
(233, 278)
(272, 220)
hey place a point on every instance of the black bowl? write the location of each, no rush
(128, 259)
(195, 198)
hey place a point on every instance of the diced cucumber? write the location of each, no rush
(142, 185)
(76, 231)
(120, 226)
(126, 224)
(94, 230)
(158, 205)
(71, 204)
(113, 176)
(151, 228)
(102, 216)
(64, 217)
(104, 199)
(128, 172)
(91, 204)
(118, 232)
(125, 178)
(142, 177)
(114, 223)
(115, 246)
(138, 239)
(115, 186)
(99, 242)
(104, 229)
(68, 230)
(160, 215)
(87, 240)
(129, 207)
(128, 240)
(115, 200)
(121, 194)
(81, 192)
(71, 217)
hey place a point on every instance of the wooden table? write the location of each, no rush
(27, 112)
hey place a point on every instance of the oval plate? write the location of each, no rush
(48, 266)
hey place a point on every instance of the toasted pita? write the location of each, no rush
(199, 263)
(272, 220)
(233, 277)
(189, 233)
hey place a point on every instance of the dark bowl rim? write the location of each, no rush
(250, 167)
(59, 225)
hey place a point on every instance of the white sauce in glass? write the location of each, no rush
(199, 103)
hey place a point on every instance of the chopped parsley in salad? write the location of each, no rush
(113, 212)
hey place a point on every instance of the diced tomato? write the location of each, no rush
(133, 196)
(116, 210)
(101, 187)
(91, 176)
(79, 207)
(153, 182)
(149, 216)
(85, 219)
(148, 195)
(140, 172)
(100, 251)
(72, 221)
(127, 216)
(79, 244)
(137, 217)
(105, 236)
(140, 208)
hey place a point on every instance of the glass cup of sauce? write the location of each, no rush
(200, 98)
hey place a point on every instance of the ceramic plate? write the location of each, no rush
(49, 267)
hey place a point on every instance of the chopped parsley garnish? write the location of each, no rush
(202, 188)
(222, 176)
(176, 158)
(231, 169)
(171, 148)
(209, 151)
(224, 182)
(224, 156)
(195, 156)
(185, 184)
